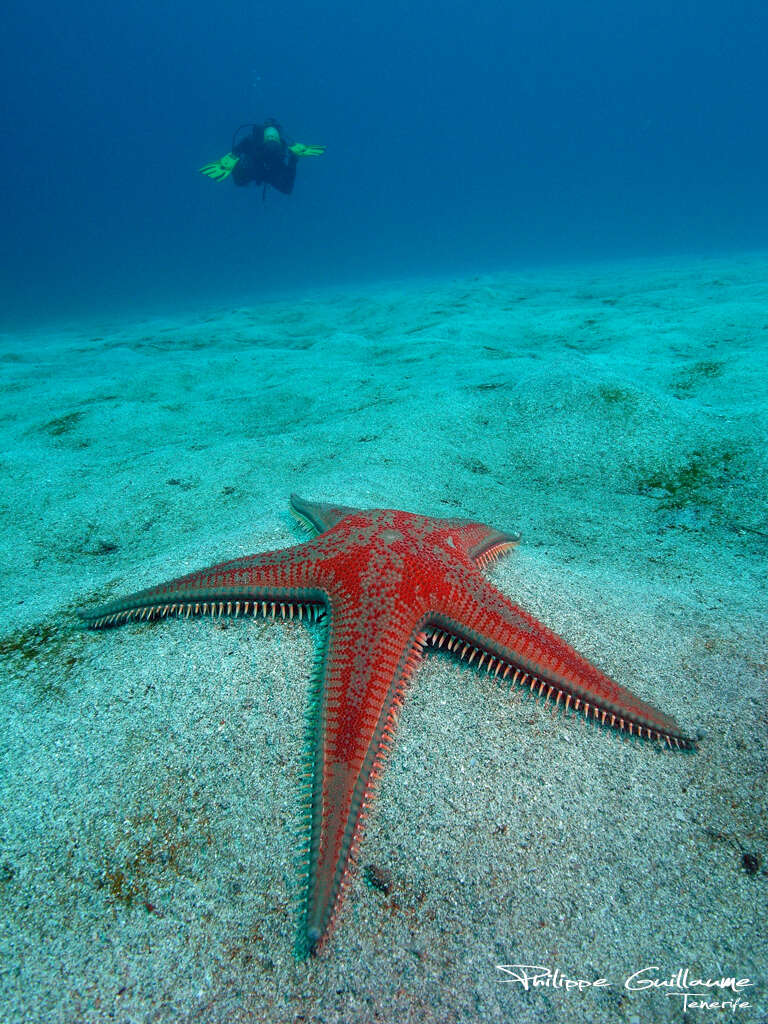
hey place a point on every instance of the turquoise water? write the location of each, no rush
(525, 284)
(150, 783)
(484, 137)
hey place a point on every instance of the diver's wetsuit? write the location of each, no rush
(263, 164)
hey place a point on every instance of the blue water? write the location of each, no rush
(461, 136)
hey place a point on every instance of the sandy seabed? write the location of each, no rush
(149, 775)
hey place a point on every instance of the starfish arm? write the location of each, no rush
(281, 582)
(481, 624)
(483, 544)
(319, 516)
(358, 691)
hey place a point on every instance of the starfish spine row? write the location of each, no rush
(307, 835)
(464, 649)
(493, 554)
(215, 609)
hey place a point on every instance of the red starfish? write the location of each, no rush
(390, 584)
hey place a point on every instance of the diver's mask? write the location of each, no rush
(272, 137)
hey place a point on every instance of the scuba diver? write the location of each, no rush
(263, 157)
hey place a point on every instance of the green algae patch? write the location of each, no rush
(62, 424)
(617, 397)
(42, 657)
(694, 376)
(155, 847)
(702, 478)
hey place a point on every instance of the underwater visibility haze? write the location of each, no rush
(461, 136)
(514, 304)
